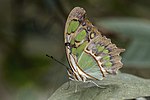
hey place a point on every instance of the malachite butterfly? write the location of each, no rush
(91, 56)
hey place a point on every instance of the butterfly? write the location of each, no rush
(90, 55)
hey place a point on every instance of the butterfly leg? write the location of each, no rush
(95, 84)
(76, 88)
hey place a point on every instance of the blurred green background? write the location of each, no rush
(29, 29)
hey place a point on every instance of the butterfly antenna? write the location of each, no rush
(57, 61)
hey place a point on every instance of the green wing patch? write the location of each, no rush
(73, 26)
(80, 36)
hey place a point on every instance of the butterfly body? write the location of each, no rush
(91, 56)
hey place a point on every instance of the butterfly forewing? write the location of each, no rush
(90, 54)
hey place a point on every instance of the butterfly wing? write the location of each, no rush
(90, 54)
(76, 39)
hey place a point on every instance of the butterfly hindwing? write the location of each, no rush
(105, 53)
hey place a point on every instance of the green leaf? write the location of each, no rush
(117, 87)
